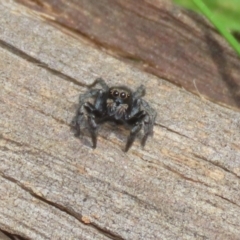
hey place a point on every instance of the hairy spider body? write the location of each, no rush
(118, 104)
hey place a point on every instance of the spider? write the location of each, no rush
(118, 104)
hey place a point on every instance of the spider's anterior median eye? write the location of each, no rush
(123, 95)
(115, 93)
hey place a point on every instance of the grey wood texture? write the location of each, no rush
(183, 185)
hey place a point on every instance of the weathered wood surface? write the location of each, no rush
(183, 185)
(156, 36)
(4, 236)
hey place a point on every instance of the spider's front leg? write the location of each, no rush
(132, 136)
(93, 112)
(98, 93)
(149, 121)
(92, 125)
(78, 120)
(136, 122)
(147, 129)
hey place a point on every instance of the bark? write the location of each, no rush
(183, 185)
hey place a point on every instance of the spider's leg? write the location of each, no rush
(136, 118)
(77, 123)
(136, 121)
(93, 129)
(134, 110)
(148, 122)
(140, 92)
(102, 83)
(89, 94)
(92, 125)
(78, 120)
(147, 128)
(98, 93)
(152, 113)
(134, 131)
(88, 112)
(100, 102)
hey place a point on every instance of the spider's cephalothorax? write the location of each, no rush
(118, 104)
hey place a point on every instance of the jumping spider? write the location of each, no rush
(117, 104)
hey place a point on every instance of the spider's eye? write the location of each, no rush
(115, 93)
(123, 95)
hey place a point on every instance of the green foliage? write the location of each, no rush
(225, 11)
(224, 15)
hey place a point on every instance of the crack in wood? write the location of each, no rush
(228, 200)
(13, 236)
(68, 211)
(197, 155)
(185, 177)
(215, 164)
(173, 131)
(37, 62)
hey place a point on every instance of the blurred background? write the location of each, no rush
(226, 12)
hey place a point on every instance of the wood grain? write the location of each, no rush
(183, 185)
(158, 37)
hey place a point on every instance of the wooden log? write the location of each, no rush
(158, 37)
(4, 236)
(183, 185)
